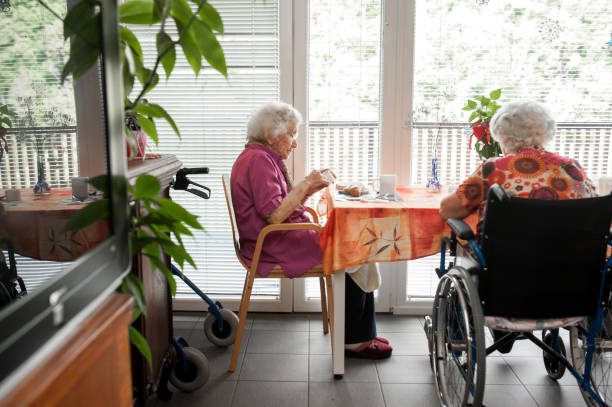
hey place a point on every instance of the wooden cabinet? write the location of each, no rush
(156, 326)
(89, 367)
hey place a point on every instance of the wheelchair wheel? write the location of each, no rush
(192, 373)
(554, 368)
(458, 341)
(225, 337)
(601, 368)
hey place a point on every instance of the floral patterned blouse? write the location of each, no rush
(532, 173)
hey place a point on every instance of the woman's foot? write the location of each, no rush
(373, 349)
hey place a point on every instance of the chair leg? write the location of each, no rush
(242, 313)
(323, 306)
(330, 308)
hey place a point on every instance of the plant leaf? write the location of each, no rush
(93, 212)
(158, 8)
(178, 212)
(154, 110)
(100, 182)
(473, 116)
(209, 46)
(168, 60)
(127, 36)
(146, 186)
(135, 287)
(78, 17)
(82, 58)
(495, 94)
(190, 47)
(211, 17)
(161, 266)
(137, 12)
(149, 127)
(142, 345)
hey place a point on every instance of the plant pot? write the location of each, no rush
(136, 147)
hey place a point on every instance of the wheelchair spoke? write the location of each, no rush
(458, 377)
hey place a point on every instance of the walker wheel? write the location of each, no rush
(221, 337)
(192, 373)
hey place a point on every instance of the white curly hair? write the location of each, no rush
(274, 117)
(521, 124)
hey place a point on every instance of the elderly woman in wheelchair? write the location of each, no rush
(533, 264)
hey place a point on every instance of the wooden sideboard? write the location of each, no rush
(90, 367)
(157, 325)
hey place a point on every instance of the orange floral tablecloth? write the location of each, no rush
(359, 232)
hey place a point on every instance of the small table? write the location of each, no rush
(34, 225)
(366, 231)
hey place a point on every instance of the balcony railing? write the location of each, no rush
(59, 149)
(588, 143)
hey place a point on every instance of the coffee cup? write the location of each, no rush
(13, 195)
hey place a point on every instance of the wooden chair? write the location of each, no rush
(277, 272)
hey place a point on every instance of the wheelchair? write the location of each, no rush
(12, 286)
(540, 265)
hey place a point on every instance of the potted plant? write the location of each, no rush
(479, 121)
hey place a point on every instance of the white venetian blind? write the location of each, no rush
(211, 113)
(553, 52)
(344, 87)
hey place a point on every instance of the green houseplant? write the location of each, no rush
(153, 229)
(483, 108)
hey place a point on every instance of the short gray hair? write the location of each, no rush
(275, 117)
(517, 125)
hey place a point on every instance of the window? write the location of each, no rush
(32, 54)
(550, 51)
(211, 113)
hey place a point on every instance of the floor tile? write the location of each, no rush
(278, 342)
(216, 393)
(403, 395)
(345, 394)
(398, 323)
(405, 369)
(508, 396)
(199, 340)
(356, 370)
(499, 372)
(280, 322)
(530, 370)
(275, 367)
(319, 344)
(271, 394)
(556, 396)
(408, 343)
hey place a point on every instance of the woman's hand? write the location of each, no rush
(315, 181)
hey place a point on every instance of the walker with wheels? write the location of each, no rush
(192, 370)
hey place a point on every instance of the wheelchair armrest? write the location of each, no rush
(461, 229)
(498, 192)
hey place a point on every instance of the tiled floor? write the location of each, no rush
(285, 361)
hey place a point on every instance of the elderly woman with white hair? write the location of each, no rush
(526, 170)
(263, 193)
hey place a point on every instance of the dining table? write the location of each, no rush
(375, 229)
(34, 224)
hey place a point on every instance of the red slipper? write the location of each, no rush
(383, 340)
(371, 350)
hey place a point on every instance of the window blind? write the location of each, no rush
(211, 113)
(553, 52)
(32, 54)
(344, 87)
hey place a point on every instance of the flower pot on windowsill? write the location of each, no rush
(137, 145)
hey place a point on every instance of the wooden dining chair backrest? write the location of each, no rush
(277, 272)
